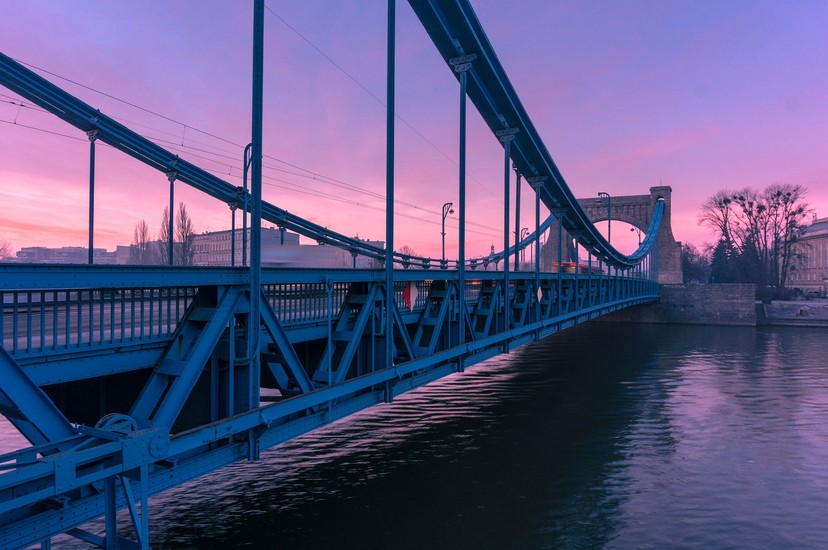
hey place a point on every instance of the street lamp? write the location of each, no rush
(639, 234)
(602, 195)
(524, 232)
(447, 209)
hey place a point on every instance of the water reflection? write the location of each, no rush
(603, 436)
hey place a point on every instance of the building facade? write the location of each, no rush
(217, 247)
(280, 248)
(810, 272)
(64, 255)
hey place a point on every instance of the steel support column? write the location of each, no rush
(537, 183)
(517, 216)
(506, 136)
(461, 233)
(233, 207)
(559, 216)
(245, 203)
(93, 135)
(171, 223)
(254, 319)
(389, 188)
(461, 66)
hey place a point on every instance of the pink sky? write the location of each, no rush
(700, 96)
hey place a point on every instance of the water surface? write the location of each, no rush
(607, 435)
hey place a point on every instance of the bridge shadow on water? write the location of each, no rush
(513, 453)
(604, 435)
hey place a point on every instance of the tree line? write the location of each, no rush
(757, 233)
(148, 251)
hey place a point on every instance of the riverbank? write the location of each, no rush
(725, 305)
(810, 313)
(709, 304)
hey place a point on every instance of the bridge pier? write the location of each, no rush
(636, 210)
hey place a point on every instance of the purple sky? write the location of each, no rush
(700, 96)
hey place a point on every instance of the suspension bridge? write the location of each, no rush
(130, 380)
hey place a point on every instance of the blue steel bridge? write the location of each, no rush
(130, 380)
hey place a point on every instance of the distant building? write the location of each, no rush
(280, 248)
(64, 255)
(216, 247)
(810, 274)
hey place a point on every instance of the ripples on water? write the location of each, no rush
(603, 436)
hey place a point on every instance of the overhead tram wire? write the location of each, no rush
(188, 150)
(311, 174)
(125, 102)
(45, 131)
(176, 145)
(294, 187)
(372, 94)
(290, 186)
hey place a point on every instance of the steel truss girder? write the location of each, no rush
(485, 309)
(433, 318)
(205, 448)
(520, 300)
(27, 407)
(286, 354)
(172, 380)
(351, 325)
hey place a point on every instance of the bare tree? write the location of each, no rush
(757, 231)
(407, 250)
(5, 249)
(163, 253)
(787, 220)
(184, 236)
(141, 251)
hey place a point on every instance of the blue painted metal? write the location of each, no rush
(462, 65)
(296, 378)
(245, 194)
(389, 180)
(433, 318)
(171, 175)
(517, 217)
(176, 373)
(455, 30)
(92, 137)
(193, 338)
(279, 421)
(27, 407)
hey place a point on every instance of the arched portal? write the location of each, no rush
(636, 210)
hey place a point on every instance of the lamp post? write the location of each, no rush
(639, 234)
(524, 232)
(601, 196)
(447, 209)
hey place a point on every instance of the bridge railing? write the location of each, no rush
(42, 321)
(41, 316)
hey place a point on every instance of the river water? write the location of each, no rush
(606, 435)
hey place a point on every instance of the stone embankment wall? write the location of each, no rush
(794, 314)
(710, 304)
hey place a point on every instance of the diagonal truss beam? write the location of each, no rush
(176, 374)
(286, 350)
(28, 407)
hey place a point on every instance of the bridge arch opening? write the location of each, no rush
(628, 215)
(625, 236)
